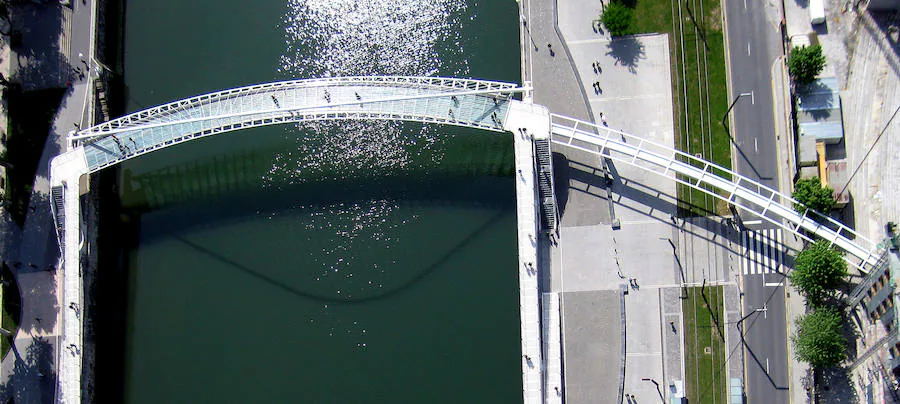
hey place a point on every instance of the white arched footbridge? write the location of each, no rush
(471, 103)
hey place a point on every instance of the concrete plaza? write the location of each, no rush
(617, 337)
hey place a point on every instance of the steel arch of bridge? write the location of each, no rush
(470, 103)
(462, 102)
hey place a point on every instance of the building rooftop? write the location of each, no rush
(819, 110)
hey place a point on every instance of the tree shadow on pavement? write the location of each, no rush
(835, 385)
(31, 115)
(38, 62)
(33, 378)
(627, 51)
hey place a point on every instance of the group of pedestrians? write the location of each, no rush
(597, 70)
(123, 148)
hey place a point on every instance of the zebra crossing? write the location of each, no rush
(762, 251)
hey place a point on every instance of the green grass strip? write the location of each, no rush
(699, 89)
(704, 345)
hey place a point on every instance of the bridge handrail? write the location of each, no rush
(140, 117)
(707, 172)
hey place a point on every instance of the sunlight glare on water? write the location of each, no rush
(363, 37)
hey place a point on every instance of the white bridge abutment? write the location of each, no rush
(66, 171)
(528, 122)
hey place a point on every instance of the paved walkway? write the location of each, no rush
(28, 372)
(591, 258)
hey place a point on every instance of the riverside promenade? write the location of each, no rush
(617, 339)
(29, 372)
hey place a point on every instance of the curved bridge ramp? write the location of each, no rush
(744, 193)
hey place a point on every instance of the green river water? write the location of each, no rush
(337, 262)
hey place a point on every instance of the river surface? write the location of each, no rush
(336, 262)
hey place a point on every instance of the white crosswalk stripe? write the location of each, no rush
(762, 251)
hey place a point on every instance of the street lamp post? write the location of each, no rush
(730, 107)
(738, 323)
(661, 399)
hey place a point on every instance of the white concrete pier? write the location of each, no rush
(526, 121)
(66, 170)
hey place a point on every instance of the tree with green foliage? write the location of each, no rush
(805, 63)
(818, 340)
(810, 194)
(818, 271)
(617, 18)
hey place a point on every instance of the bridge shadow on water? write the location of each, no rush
(423, 273)
(225, 197)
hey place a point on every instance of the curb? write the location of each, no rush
(565, 45)
(624, 290)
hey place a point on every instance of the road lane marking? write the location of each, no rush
(774, 284)
(756, 145)
(744, 264)
(748, 48)
(761, 252)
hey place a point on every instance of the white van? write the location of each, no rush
(816, 11)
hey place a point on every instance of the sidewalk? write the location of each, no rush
(28, 373)
(614, 345)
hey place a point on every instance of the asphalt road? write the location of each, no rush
(753, 45)
(765, 336)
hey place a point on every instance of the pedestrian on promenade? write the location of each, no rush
(603, 119)
(550, 48)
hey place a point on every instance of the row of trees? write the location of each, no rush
(819, 272)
